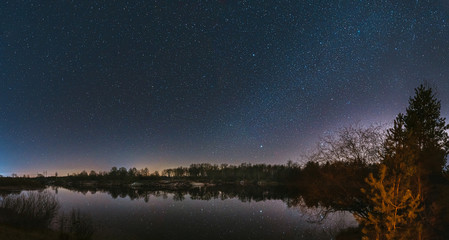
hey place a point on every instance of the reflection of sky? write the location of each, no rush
(161, 218)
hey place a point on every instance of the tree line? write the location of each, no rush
(199, 172)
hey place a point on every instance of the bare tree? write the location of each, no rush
(353, 144)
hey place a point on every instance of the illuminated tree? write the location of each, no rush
(395, 208)
(414, 157)
(394, 201)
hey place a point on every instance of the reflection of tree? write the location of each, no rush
(164, 195)
(77, 224)
(335, 221)
(244, 194)
(30, 209)
(146, 197)
(314, 214)
(178, 196)
(114, 193)
(204, 193)
(124, 194)
(84, 192)
(81, 225)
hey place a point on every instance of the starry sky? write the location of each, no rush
(95, 84)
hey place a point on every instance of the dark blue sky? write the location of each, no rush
(96, 84)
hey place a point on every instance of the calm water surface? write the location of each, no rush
(164, 216)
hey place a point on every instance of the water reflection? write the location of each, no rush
(291, 197)
(203, 213)
(198, 213)
(77, 225)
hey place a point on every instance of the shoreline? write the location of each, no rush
(146, 184)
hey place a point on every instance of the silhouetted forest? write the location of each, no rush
(203, 172)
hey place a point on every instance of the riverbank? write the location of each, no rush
(10, 185)
(166, 184)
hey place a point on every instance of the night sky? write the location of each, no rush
(96, 84)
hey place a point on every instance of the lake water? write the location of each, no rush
(161, 215)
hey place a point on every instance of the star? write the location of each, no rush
(101, 84)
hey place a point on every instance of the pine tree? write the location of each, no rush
(415, 155)
(400, 155)
(395, 208)
(395, 203)
(424, 122)
(427, 130)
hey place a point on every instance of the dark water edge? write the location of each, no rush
(217, 212)
(174, 208)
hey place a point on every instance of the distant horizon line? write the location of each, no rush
(64, 172)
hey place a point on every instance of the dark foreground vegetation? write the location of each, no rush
(35, 212)
(395, 182)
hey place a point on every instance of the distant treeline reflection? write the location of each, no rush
(244, 194)
(292, 197)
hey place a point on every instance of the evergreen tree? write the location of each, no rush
(427, 130)
(415, 154)
(400, 154)
(424, 122)
(395, 208)
(395, 202)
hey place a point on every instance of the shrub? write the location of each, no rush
(30, 209)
